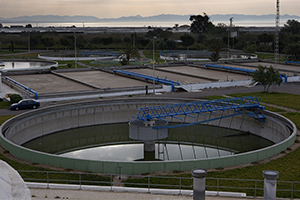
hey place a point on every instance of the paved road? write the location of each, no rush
(44, 194)
(293, 88)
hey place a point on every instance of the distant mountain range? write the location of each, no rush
(138, 18)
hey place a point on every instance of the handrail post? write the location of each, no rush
(217, 186)
(180, 186)
(255, 188)
(80, 181)
(48, 180)
(292, 190)
(148, 184)
(111, 182)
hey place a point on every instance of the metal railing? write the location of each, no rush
(255, 188)
(22, 87)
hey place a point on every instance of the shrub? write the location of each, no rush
(15, 98)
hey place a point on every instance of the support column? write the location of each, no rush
(270, 184)
(149, 150)
(0, 82)
(199, 184)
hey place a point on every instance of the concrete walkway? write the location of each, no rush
(46, 194)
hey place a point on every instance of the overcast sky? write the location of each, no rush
(119, 8)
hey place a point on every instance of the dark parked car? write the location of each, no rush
(25, 104)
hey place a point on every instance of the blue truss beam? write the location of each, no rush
(146, 77)
(198, 122)
(172, 110)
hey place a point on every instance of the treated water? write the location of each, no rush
(112, 142)
(22, 65)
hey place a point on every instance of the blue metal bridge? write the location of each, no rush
(182, 110)
(283, 77)
(150, 78)
(291, 62)
(101, 53)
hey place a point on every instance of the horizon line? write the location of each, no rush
(141, 15)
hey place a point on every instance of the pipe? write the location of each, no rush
(169, 82)
(26, 88)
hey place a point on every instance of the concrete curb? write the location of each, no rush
(129, 189)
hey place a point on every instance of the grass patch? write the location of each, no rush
(273, 109)
(5, 118)
(66, 64)
(281, 99)
(4, 104)
(21, 56)
(294, 117)
(264, 55)
(36, 173)
(214, 97)
(9, 52)
(149, 55)
(287, 166)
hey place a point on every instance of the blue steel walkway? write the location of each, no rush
(238, 105)
(247, 71)
(146, 77)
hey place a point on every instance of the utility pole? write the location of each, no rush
(154, 38)
(229, 36)
(28, 41)
(75, 51)
(277, 35)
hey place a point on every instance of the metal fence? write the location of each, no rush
(255, 188)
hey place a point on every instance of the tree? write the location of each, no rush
(200, 23)
(11, 46)
(249, 49)
(47, 42)
(129, 53)
(144, 42)
(15, 98)
(293, 51)
(96, 40)
(292, 27)
(266, 77)
(172, 45)
(106, 41)
(67, 41)
(160, 33)
(265, 38)
(187, 40)
(176, 26)
(215, 45)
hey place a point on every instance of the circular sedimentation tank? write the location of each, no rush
(48, 121)
(20, 65)
(204, 55)
(80, 55)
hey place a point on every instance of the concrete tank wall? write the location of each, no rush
(28, 126)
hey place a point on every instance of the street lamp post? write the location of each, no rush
(75, 52)
(28, 42)
(153, 62)
(229, 35)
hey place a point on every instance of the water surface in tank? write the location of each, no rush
(111, 142)
(18, 65)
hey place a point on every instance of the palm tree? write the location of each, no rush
(129, 53)
(216, 46)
